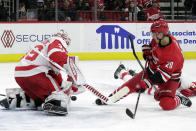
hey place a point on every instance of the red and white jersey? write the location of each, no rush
(153, 14)
(33, 63)
(167, 60)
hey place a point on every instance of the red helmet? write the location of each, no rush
(160, 27)
(64, 36)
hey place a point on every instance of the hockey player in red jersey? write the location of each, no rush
(41, 81)
(187, 87)
(153, 13)
(164, 60)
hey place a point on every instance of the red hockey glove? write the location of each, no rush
(141, 86)
(146, 49)
(187, 92)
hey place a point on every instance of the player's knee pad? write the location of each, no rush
(17, 98)
(167, 103)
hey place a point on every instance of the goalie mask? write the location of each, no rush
(65, 37)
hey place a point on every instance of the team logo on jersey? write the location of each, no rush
(120, 35)
(8, 38)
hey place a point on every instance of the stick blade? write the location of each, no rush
(130, 114)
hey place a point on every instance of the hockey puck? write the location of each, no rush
(73, 98)
(99, 102)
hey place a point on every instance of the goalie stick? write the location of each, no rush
(88, 87)
(128, 111)
(73, 98)
(2, 95)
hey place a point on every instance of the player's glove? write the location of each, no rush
(75, 89)
(146, 49)
(141, 86)
(187, 92)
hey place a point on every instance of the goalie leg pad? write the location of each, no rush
(16, 98)
(57, 103)
(54, 107)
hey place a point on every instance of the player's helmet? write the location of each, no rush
(64, 36)
(160, 27)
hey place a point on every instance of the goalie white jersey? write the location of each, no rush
(33, 63)
(39, 75)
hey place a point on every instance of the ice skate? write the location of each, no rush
(132, 72)
(118, 70)
(185, 101)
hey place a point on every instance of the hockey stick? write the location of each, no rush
(2, 95)
(88, 87)
(73, 98)
(128, 111)
(132, 45)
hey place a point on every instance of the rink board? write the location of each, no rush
(93, 56)
(91, 41)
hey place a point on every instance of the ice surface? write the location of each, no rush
(85, 115)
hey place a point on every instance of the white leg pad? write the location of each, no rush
(17, 99)
(61, 96)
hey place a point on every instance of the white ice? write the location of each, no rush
(85, 115)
